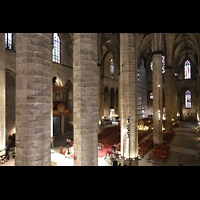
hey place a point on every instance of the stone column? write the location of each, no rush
(85, 99)
(174, 98)
(168, 97)
(100, 108)
(129, 99)
(33, 99)
(107, 103)
(2, 95)
(157, 88)
(198, 93)
(119, 96)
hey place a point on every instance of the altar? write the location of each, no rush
(58, 159)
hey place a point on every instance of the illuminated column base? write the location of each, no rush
(129, 161)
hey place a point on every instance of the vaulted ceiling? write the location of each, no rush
(110, 42)
(185, 47)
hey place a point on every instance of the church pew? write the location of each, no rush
(162, 147)
(167, 135)
(159, 153)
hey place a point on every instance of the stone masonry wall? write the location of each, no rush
(85, 99)
(33, 98)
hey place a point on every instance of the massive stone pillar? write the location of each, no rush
(170, 86)
(119, 96)
(129, 98)
(198, 93)
(174, 98)
(33, 99)
(2, 95)
(168, 97)
(157, 88)
(106, 103)
(85, 99)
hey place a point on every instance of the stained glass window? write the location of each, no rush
(56, 48)
(112, 68)
(187, 69)
(188, 99)
(151, 95)
(8, 40)
(163, 64)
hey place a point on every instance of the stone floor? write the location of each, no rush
(183, 148)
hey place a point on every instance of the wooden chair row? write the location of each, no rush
(142, 134)
(159, 153)
(111, 139)
(145, 146)
(168, 135)
(108, 131)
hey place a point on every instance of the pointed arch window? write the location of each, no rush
(187, 69)
(151, 95)
(112, 68)
(8, 40)
(56, 48)
(188, 99)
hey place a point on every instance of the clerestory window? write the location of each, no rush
(187, 69)
(8, 40)
(56, 48)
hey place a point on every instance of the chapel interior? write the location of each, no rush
(99, 99)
